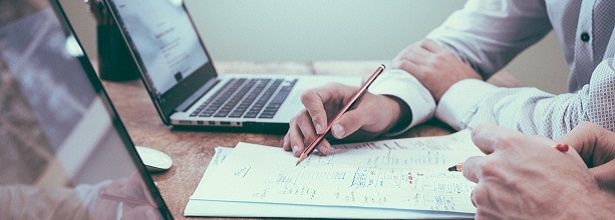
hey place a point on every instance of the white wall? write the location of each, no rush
(315, 29)
(304, 30)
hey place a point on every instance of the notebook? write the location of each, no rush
(65, 153)
(182, 81)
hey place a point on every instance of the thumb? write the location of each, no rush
(347, 124)
(581, 138)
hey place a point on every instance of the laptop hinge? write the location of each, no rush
(184, 106)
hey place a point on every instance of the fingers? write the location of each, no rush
(312, 121)
(411, 59)
(582, 138)
(605, 176)
(324, 148)
(472, 198)
(479, 195)
(286, 143)
(300, 134)
(431, 46)
(324, 103)
(314, 101)
(488, 137)
(294, 139)
(471, 169)
(595, 144)
(418, 52)
(406, 65)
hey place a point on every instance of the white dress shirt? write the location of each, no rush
(487, 35)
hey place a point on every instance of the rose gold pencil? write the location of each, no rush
(355, 99)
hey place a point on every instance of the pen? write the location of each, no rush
(355, 99)
(123, 199)
(560, 147)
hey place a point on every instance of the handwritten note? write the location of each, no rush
(400, 174)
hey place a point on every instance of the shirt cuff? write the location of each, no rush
(460, 102)
(401, 84)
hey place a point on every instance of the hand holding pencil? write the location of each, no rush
(353, 100)
(374, 115)
(519, 170)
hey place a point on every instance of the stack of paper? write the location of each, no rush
(399, 178)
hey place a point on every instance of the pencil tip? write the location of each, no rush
(457, 168)
(301, 158)
(453, 168)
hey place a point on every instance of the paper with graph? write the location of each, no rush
(400, 174)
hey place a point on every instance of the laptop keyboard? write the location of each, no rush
(247, 98)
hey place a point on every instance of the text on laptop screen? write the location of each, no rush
(61, 156)
(168, 46)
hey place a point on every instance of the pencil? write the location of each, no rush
(560, 147)
(457, 167)
(355, 99)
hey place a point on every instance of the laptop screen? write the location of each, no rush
(166, 47)
(64, 153)
(166, 42)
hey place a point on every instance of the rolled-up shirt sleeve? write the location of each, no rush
(470, 33)
(529, 110)
(401, 84)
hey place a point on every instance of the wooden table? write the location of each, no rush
(192, 150)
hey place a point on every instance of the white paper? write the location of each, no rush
(402, 178)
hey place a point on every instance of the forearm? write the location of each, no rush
(529, 110)
(487, 35)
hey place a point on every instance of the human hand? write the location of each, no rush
(596, 145)
(371, 116)
(434, 66)
(522, 177)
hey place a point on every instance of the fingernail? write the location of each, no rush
(295, 148)
(317, 127)
(338, 130)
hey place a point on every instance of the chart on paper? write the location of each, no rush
(383, 174)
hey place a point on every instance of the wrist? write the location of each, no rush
(401, 115)
(594, 204)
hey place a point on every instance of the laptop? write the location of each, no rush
(183, 83)
(65, 153)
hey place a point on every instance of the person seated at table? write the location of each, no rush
(448, 67)
(522, 177)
